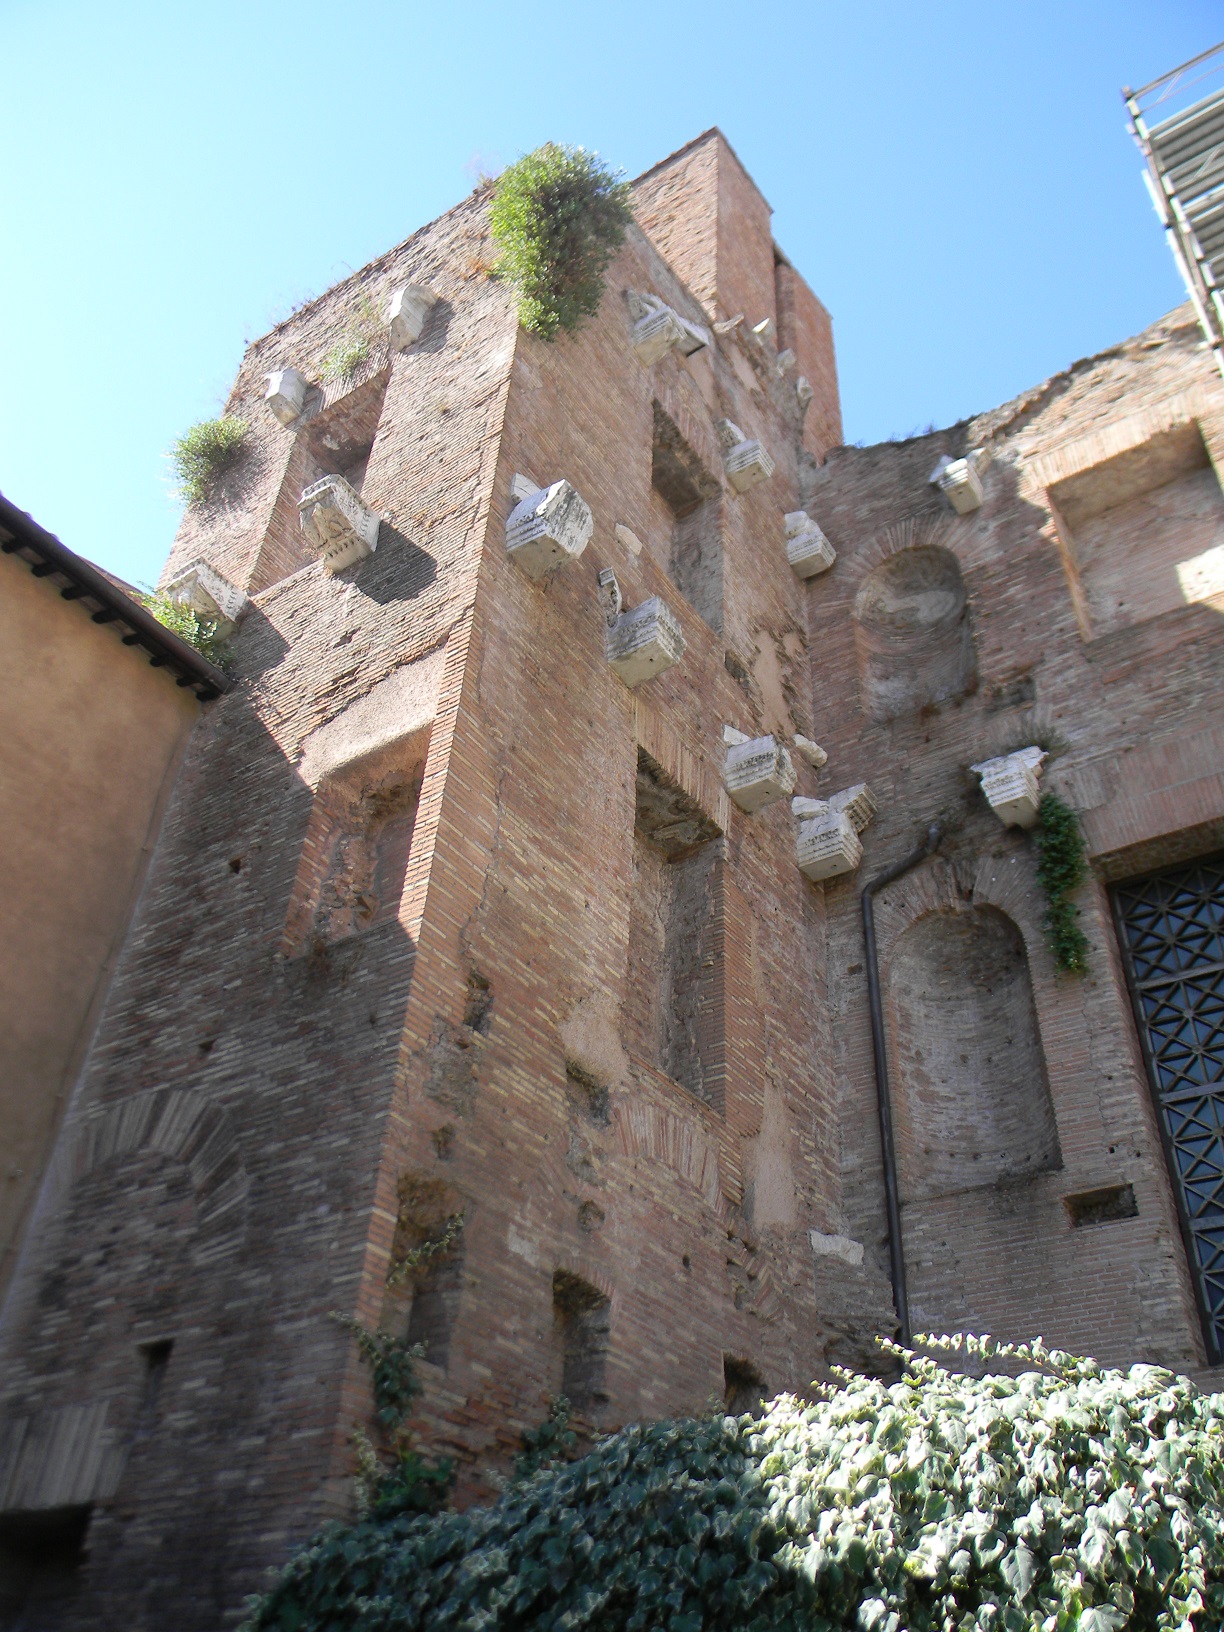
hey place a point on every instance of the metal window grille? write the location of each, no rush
(1171, 927)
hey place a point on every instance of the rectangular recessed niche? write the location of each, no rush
(673, 1007)
(692, 498)
(1104, 1206)
(583, 1319)
(351, 874)
(1143, 532)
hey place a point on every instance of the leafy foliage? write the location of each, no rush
(1062, 865)
(201, 454)
(188, 625)
(1067, 1498)
(405, 1482)
(412, 1260)
(550, 1443)
(558, 217)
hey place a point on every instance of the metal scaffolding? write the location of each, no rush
(1183, 143)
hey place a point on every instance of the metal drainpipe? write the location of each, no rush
(892, 1200)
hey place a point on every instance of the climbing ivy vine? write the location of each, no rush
(1062, 865)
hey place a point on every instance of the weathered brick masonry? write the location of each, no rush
(445, 918)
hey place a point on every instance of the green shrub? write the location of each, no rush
(202, 453)
(558, 217)
(1065, 1499)
(1062, 865)
(188, 625)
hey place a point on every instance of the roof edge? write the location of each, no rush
(21, 535)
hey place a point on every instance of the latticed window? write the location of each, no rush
(1172, 927)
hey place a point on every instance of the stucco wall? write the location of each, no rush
(89, 737)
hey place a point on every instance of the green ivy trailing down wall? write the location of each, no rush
(400, 1480)
(1067, 1498)
(558, 217)
(1062, 865)
(201, 454)
(188, 625)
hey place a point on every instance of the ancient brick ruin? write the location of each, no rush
(519, 878)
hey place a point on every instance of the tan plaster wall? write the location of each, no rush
(89, 737)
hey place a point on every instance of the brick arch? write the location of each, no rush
(912, 633)
(182, 1126)
(644, 1129)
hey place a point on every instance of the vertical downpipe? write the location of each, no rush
(892, 1197)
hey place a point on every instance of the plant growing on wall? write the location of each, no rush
(1062, 865)
(188, 625)
(1067, 1498)
(201, 454)
(354, 345)
(558, 217)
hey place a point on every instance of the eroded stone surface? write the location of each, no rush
(1010, 785)
(210, 595)
(807, 549)
(758, 771)
(548, 527)
(645, 642)
(337, 526)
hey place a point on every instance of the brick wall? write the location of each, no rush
(306, 1063)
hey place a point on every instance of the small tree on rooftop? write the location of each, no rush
(558, 217)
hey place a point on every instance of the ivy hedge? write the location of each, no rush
(1067, 1498)
(558, 217)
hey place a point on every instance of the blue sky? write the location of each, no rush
(956, 182)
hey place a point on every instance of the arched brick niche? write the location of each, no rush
(973, 1103)
(912, 632)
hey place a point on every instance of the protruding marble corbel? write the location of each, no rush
(1010, 785)
(658, 329)
(807, 549)
(828, 844)
(286, 394)
(812, 752)
(744, 459)
(757, 770)
(961, 480)
(202, 588)
(548, 527)
(407, 314)
(643, 642)
(336, 525)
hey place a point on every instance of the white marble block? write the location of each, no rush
(406, 314)
(804, 393)
(961, 480)
(828, 841)
(757, 772)
(286, 394)
(549, 526)
(337, 527)
(744, 459)
(644, 642)
(807, 549)
(858, 802)
(202, 588)
(657, 329)
(827, 844)
(812, 752)
(1010, 786)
